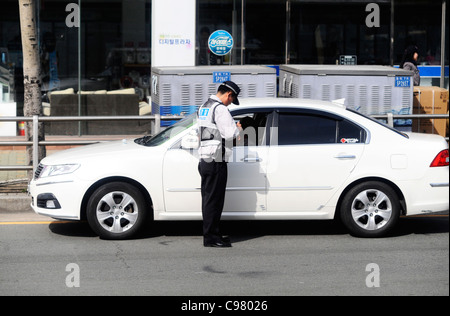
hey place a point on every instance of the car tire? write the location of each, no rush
(370, 209)
(116, 210)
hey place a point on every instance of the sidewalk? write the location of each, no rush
(14, 203)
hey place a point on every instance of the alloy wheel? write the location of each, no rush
(371, 209)
(117, 212)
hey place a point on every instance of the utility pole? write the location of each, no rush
(31, 74)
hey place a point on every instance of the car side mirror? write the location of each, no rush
(190, 141)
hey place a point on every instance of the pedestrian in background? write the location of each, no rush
(409, 62)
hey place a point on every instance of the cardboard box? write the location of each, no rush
(430, 100)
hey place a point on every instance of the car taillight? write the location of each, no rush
(441, 159)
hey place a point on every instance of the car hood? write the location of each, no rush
(96, 151)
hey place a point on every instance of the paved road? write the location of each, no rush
(267, 258)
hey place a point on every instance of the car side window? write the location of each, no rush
(302, 129)
(252, 128)
(350, 133)
(313, 128)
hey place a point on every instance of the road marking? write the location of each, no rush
(35, 223)
(67, 222)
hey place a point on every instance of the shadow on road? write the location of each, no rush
(245, 230)
(431, 224)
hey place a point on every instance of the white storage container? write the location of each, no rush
(368, 89)
(181, 90)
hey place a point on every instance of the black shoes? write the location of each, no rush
(224, 242)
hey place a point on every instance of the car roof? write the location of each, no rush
(287, 103)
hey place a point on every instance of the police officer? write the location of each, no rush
(217, 131)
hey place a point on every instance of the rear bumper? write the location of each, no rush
(430, 198)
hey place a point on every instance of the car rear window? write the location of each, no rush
(380, 122)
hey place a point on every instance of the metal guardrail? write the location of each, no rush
(155, 129)
(36, 143)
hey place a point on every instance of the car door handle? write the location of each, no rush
(251, 159)
(344, 156)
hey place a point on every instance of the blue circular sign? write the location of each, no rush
(220, 42)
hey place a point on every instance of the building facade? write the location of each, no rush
(106, 45)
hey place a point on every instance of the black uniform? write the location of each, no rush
(216, 126)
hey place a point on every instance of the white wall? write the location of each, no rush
(173, 32)
(8, 128)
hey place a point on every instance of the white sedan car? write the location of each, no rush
(297, 159)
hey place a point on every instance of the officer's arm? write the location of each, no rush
(225, 123)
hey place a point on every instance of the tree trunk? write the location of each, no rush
(31, 74)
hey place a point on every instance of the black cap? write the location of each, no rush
(233, 87)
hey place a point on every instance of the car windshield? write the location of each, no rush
(169, 132)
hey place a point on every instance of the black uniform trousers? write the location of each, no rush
(214, 181)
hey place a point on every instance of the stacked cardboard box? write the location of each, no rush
(430, 100)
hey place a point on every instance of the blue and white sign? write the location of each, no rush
(220, 42)
(203, 114)
(221, 76)
(402, 81)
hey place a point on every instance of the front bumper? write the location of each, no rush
(58, 198)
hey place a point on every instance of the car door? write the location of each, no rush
(246, 185)
(311, 155)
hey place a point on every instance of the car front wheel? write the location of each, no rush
(116, 210)
(370, 209)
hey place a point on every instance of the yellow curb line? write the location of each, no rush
(36, 223)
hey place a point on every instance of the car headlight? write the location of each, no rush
(57, 170)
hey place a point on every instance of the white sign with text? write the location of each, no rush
(173, 33)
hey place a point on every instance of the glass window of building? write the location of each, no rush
(109, 51)
(113, 41)
(322, 31)
(111, 48)
(213, 15)
(265, 32)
